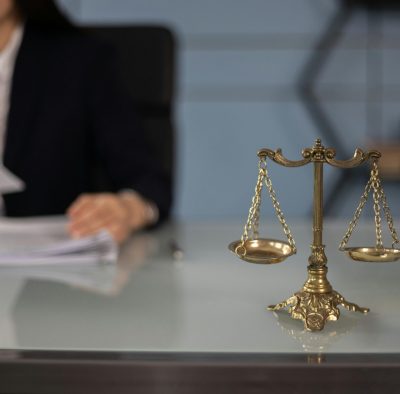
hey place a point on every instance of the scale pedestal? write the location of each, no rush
(317, 302)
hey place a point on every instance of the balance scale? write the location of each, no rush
(317, 302)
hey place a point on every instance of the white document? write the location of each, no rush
(9, 183)
(27, 242)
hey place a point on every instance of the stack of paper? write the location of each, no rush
(33, 243)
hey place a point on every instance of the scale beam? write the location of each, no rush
(360, 157)
(318, 153)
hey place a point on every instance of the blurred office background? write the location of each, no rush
(239, 64)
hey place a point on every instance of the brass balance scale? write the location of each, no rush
(317, 302)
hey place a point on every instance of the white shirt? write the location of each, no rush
(7, 61)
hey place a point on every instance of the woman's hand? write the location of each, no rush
(119, 214)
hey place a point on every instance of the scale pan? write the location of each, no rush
(373, 254)
(261, 251)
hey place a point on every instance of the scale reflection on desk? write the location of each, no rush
(317, 302)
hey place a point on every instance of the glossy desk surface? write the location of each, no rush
(207, 302)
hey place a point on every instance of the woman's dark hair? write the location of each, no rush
(43, 13)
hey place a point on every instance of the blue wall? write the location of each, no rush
(238, 64)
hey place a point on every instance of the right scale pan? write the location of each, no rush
(373, 254)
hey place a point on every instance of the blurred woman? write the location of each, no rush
(63, 113)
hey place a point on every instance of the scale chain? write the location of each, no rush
(279, 212)
(377, 208)
(388, 216)
(356, 216)
(389, 219)
(255, 218)
(252, 224)
(379, 197)
(373, 183)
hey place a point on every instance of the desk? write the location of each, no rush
(199, 324)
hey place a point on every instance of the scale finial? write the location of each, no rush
(318, 142)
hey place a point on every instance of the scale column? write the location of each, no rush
(317, 269)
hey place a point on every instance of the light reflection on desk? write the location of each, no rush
(317, 342)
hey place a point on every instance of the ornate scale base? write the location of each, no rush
(317, 302)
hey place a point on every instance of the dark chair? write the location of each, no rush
(146, 61)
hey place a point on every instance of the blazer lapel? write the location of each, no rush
(24, 98)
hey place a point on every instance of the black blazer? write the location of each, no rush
(68, 115)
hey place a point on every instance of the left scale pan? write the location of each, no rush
(261, 250)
